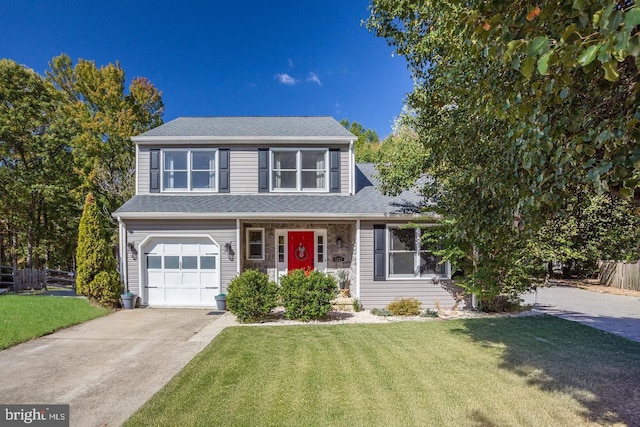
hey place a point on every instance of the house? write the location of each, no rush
(218, 195)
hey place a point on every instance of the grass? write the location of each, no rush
(24, 317)
(539, 371)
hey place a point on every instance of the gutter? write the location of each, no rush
(272, 215)
(253, 139)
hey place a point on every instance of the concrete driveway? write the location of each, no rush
(108, 367)
(618, 314)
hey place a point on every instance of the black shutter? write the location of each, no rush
(334, 170)
(223, 164)
(263, 170)
(379, 252)
(154, 171)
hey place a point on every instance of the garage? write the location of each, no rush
(182, 272)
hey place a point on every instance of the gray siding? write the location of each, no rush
(380, 293)
(221, 231)
(244, 170)
(243, 166)
(143, 170)
(344, 171)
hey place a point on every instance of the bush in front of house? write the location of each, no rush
(307, 295)
(105, 289)
(96, 276)
(405, 307)
(251, 296)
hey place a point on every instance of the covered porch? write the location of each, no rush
(276, 248)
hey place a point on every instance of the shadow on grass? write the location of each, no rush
(598, 369)
(628, 327)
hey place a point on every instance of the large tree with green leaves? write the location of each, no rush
(366, 145)
(38, 208)
(562, 78)
(106, 117)
(514, 115)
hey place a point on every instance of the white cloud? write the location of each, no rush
(313, 77)
(286, 79)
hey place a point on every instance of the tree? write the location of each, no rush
(38, 208)
(513, 118)
(94, 254)
(367, 143)
(106, 118)
(562, 79)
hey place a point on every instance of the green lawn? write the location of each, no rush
(540, 371)
(23, 317)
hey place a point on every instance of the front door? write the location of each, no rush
(301, 249)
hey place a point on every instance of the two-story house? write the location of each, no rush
(218, 195)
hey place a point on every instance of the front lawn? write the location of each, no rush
(498, 371)
(23, 317)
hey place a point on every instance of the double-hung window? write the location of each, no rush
(255, 243)
(189, 170)
(299, 170)
(409, 256)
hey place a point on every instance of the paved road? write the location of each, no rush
(108, 367)
(618, 314)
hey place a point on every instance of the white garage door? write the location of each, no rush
(182, 272)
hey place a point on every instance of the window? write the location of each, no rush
(255, 243)
(299, 170)
(281, 248)
(320, 248)
(409, 256)
(189, 170)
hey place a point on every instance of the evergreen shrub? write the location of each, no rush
(307, 295)
(251, 295)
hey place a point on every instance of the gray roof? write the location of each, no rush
(368, 201)
(249, 127)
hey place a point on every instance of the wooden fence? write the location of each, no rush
(33, 279)
(620, 275)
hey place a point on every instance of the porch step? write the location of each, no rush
(342, 304)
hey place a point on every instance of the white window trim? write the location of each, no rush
(416, 251)
(248, 251)
(299, 188)
(190, 170)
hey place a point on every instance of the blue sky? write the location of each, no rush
(226, 58)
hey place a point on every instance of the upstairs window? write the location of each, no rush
(299, 170)
(189, 170)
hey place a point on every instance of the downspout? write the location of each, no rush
(238, 246)
(358, 259)
(122, 240)
(352, 169)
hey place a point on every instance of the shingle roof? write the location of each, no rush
(249, 127)
(368, 201)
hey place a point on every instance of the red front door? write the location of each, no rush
(301, 250)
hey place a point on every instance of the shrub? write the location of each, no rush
(405, 307)
(105, 289)
(429, 313)
(307, 297)
(381, 312)
(94, 254)
(357, 305)
(251, 295)
(500, 304)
